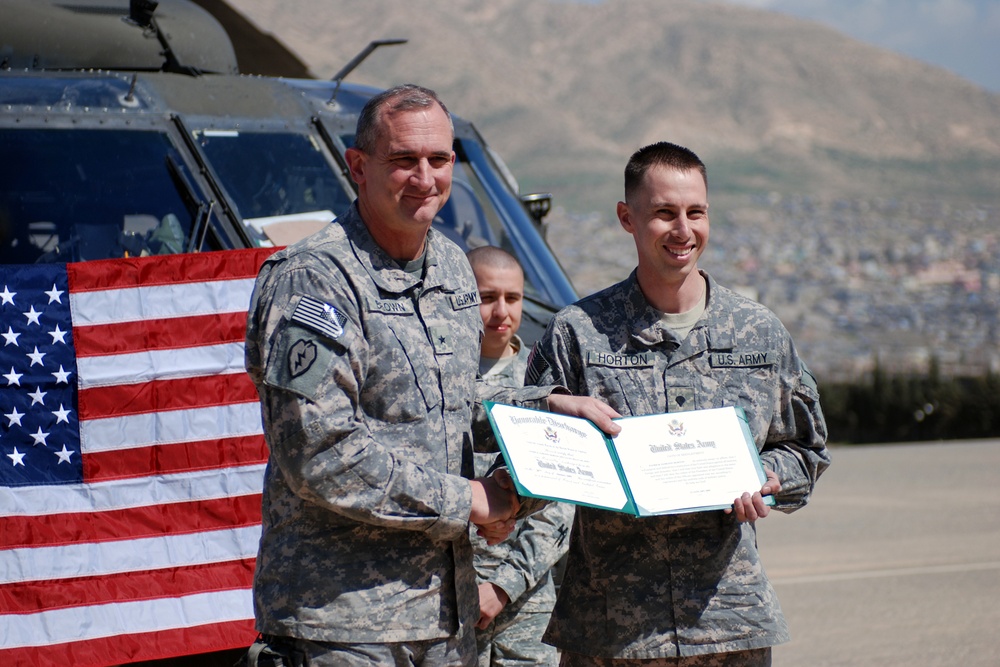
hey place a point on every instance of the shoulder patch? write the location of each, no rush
(320, 317)
(537, 364)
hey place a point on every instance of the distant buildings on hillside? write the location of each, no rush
(856, 282)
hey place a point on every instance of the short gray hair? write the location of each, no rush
(405, 97)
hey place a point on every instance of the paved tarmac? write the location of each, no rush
(896, 560)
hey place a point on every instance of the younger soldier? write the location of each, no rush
(686, 589)
(516, 591)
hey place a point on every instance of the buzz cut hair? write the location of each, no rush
(660, 154)
(404, 97)
(494, 257)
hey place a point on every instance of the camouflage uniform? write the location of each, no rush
(522, 564)
(366, 376)
(685, 584)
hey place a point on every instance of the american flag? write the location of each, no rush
(131, 459)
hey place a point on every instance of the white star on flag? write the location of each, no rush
(10, 337)
(58, 335)
(54, 294)
(17, 457)
(39, 437)
(36, 357)
(32, 315)
(62, 415)
(13, 378)
(14, 417)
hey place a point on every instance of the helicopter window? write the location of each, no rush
(275, 179)
(73, 195)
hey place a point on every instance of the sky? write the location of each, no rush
(962, 36)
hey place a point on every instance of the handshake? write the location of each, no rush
(494, 506)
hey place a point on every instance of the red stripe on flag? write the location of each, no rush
(176, 394)
(163, 334)
(174, 458)
(34, 596)
(166, 269)
(134, 648)
(132, 523)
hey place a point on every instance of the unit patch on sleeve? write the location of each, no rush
(320, 317)
(301, 356)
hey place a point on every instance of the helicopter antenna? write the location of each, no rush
(357, 60)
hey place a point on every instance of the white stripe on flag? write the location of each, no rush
(122, 618)
(162, 301)
(148, 553)
(138, 367)
(170, 427)
(132, 492)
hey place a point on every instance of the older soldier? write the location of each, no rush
(685, 589)
(363, 343)
(516, 589)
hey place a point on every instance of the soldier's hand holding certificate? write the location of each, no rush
(658, 464)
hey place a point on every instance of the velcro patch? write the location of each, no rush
(466, 300)
(441, 339)
(620, 360)
(301, 357)
(390, 306)
(320, 317)
(742, 359)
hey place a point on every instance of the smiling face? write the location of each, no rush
(667, 216)
(406, 179)
(501, 289)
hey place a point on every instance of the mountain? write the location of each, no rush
(854, 191)
(567, 90)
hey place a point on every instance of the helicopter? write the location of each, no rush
(147, 100)
(142, 129)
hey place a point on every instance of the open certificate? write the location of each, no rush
(659, 464)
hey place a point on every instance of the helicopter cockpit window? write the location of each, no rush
(281, 183)
(74, 195)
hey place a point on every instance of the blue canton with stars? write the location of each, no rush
(39, 429)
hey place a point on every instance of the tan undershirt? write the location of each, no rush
(682, 323)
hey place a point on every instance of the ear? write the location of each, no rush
(356, 164)
(625, 218)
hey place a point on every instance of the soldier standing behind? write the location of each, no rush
(516, 589)
(686, 589)
(363, 343)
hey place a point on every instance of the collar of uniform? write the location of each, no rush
(646, 325)
(720, 332)
(383, 269)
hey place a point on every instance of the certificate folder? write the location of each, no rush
(659, 464)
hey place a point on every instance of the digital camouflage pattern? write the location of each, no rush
(758, 657)
(522, 564)
(685, 584)
(366, 376)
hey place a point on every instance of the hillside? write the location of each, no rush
(854, 191)
(565, 91)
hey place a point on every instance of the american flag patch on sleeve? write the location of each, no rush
(320, 317)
